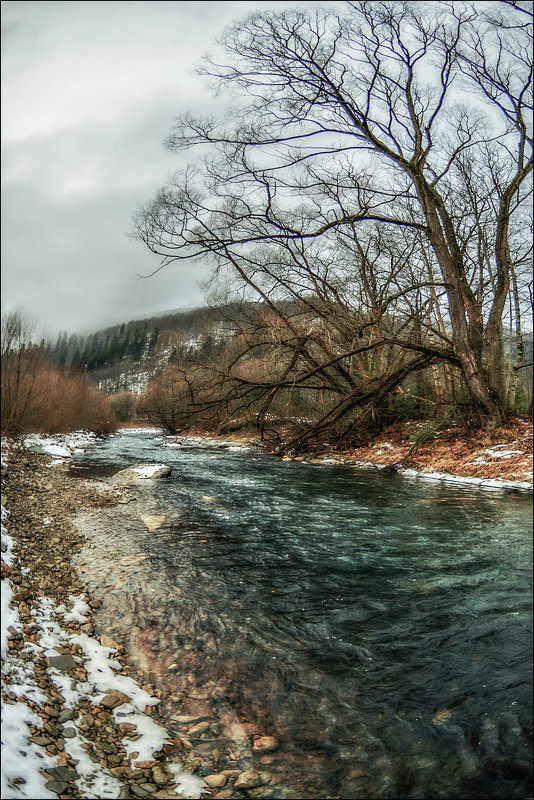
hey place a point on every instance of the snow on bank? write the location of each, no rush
(484, 483)
(61, 446)
(24, 760)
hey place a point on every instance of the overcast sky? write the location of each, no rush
(89, 93)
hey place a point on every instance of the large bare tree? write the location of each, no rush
(368, 184)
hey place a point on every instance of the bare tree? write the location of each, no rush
(374, 169)
(20, 361)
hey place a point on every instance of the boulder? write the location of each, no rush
(145, 471)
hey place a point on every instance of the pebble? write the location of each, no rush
(249, 779)
(265, 744)
(216, 780)
(114, 699)
(57, 786)
(198, 730)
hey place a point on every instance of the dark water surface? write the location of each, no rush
(380, 628)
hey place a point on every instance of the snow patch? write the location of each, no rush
(148, 470)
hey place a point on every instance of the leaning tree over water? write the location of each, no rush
(369, 186)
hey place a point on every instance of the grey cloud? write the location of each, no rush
(90, 91)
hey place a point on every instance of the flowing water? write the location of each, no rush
(380, 628)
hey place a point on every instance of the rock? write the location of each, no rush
(149, 787)
(114, 699)
(107, 641)
(151, 471)
(216, 781)
(265, 744)
(127, 726)
(62, 773)
(69, 733)
(248, 780)
(138, 792)
(199, 729)
(107, 748)
(117, 772)
(52, 729)
(61, 662)
(42, 741)
(57, 786)
(66, 714)
(24, 609)
(159, 776)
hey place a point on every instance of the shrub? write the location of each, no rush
(123, 405)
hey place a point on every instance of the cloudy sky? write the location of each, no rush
(89, 93)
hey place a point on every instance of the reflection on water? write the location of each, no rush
(379, 629)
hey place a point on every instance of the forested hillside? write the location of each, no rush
(212, 367)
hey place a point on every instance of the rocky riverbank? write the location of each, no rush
(82, 715)
(428, 451)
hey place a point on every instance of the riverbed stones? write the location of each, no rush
(199, 729)
(249, 779)
(265, 744)
(215, 781)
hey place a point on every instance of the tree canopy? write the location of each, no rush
(369, 184)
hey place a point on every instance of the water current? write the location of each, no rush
(379, 627)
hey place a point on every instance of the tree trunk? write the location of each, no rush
(466, 337)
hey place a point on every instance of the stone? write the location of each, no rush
(57, 786)
(159, 776)
(42, 741)
(127, 726)
(107, 641)
(248, 780)
(265, 744)
(117, 772)
(138, 792)
(66, 714)
(62, 773)
(69, 733)
(108, 748)
(52, 729)
(62, 663)
(114, 699)
(198, 730)
(143, 471)
(215, 781)
(185, 719)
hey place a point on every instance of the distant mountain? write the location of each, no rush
(123, 357)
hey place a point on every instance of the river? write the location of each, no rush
(379, 627)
